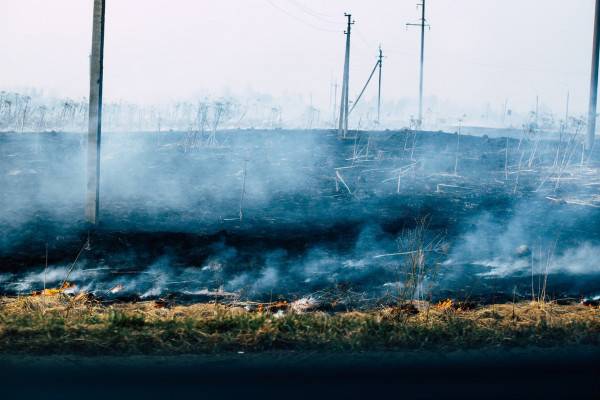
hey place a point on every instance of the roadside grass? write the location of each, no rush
(78, 325)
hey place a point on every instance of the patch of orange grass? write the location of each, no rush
(53, 291)
(445, 305)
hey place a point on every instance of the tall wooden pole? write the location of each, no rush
(379, 89)
(95, 114)
(344, 106)
(594, 81)
(422, 25)
(422, 63)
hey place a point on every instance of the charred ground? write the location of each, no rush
(289, 213)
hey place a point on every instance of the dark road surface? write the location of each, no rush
(566, 373)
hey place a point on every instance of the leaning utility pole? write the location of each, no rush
(95, 113)
(366, 85)
(379, 91)
(423, 24)
(344, 107)
(594, 81)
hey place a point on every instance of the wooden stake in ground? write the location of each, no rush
(95, 114)
(243, 191)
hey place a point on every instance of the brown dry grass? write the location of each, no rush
(63, 324)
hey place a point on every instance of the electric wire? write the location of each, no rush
(298, 19)
(328, 19)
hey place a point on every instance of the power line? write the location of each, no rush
(295, 17)
(363, 38)
(328, 19)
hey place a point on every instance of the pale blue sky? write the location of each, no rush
(478, 50)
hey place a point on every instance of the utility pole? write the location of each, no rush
(365, 87)
(344, 106)
(594, 81)
(95, 114)
(423, 24)
(379, 91)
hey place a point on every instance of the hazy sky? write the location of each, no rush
(478, 51)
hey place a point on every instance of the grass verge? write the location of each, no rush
(62, 324)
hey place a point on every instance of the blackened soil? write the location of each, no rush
(161, 195)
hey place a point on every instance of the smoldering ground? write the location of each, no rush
(259, 214)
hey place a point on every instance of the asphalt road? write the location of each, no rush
(565, 373)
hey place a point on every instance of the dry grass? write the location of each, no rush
(62, 324)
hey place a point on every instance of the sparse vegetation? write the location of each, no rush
(62, 324)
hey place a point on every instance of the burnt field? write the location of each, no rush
(256, 215)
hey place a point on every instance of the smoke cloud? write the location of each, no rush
(256, 214)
